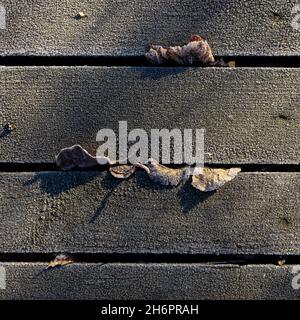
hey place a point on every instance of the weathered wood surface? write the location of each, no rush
(125, 27)
(250, 115)
(257, 213)
(148, 281)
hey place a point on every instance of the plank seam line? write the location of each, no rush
(165, 258)
(51, 166)
(141, 61)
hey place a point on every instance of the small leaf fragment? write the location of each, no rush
(208, 179)
(231, 64)
(60, 260)
(10, 127)
(281, 262)
(81, 15)
(122, 171)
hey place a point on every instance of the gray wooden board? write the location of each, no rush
(250, 115)
(126, 27)
(148, 281)
(89, 212)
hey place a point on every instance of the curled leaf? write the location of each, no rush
(196, 51)
(75, 156)
(60, 260)
(122, 171)
(208, 179)
(164, 175)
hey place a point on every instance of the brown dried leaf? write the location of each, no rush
(281, 262)
(207, 179)
(196, 51)
(60, 260)
(231, 64)
(122, 171)
(75, 156)
(164, 175)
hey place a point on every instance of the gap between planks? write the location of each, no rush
(141, 61)
(210, 259)
(50, 166)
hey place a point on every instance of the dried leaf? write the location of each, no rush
(75, 156)
(80, 15)
(281, 262)
(122, 171)
(231, 64)
(207, 179)
(60, 260)
(164, 175)
(196, 51)
(9, 127)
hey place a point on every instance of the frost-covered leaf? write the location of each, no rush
(75, 157)
(208, 179)
(196, 51)
(164, 175)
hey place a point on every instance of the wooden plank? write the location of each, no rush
(250, 115)
(257, 213)
(125, 27)
(148, 281)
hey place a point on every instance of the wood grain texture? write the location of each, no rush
(89, 212)
(126, 27)
(148, 281)
(250, 115)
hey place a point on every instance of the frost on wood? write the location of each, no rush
(196, 51)
(207, 179)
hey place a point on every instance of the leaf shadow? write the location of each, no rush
(110, 184)
(190, 197)
(143, 181)
(158, 72)
(55, 183)
(4, 133)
